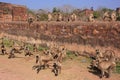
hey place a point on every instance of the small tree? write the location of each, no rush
(42, 17)
(55, 10)
(96, 14)
(29, 11)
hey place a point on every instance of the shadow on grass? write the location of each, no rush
(94, 70)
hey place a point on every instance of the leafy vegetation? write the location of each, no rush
(7, 42)
(70, 54)
(40, 48)
(55, 10)
(42, 17)
(96, 14)
(118, 68)
(31, 12)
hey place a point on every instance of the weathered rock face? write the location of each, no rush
(11, 12)
(19, 13)
(94, 34)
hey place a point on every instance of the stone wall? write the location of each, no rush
(19, 13)
(93, 34)
(11, 12)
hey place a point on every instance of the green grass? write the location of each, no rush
(40, 48)
(70, 54)
(30, 47)
(7, 42)
(118, 68)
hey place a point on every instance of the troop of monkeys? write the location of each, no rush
(15, 49)
(106, 17)
(60, 17)
(73, 17)
(53, 57)
(105, 62)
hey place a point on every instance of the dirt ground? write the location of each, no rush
(20, 68)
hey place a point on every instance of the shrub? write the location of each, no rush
(43, 17)
(96, 14)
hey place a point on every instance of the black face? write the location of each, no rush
(97, 51)
(37, 57)
(13, 48)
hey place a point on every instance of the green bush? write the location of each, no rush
(55, 10)
(96, 14)
(43, 17)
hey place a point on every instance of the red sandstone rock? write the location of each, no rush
(11, 12)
